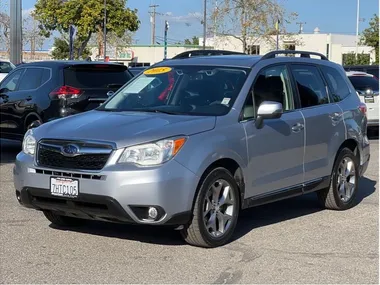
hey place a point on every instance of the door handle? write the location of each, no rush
(297, 127)
(335, 116)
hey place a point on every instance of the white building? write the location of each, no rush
(331, 45)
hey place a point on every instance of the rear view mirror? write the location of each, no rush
(268, 110)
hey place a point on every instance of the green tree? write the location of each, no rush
(61, 50)
(88, 18)
(370, 36)
(194, 41)
(250, 20)
(350, 59)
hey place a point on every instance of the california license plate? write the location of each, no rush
(64, 187)
(369, 99)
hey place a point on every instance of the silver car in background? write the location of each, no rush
(192, 142)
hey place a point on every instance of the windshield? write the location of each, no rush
(188, 90)
(362, 83)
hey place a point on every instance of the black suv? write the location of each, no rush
(38, 92)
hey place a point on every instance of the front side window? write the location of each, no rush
(10, 83)
(310, 85)
(188, 90)
(271, 84)
(337, 84)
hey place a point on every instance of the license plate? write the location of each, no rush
(64, 187)
(369, 99)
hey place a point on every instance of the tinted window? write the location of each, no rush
(45, 75)
(191, 90)
(271, 84)
(362, 83)
(310, 85)
(10, 83)
(337, 84)
(96, 76)
(6, 67)
(31, 79)
(374, 71)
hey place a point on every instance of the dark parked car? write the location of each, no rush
(39, 92)
(207, 52)
(137, 69)
(371, 69)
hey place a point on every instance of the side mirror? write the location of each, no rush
(3, 90)
(268, 110)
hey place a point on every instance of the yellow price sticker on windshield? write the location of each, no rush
(157, 70)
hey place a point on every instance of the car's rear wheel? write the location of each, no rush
(344, 183)
(63, 221)
(215, 211)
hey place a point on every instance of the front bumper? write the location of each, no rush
(118, 193)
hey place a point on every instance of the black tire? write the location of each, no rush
(329, 198)
(63, 221)
(196, 233)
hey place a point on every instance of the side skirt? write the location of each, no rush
(285, 193)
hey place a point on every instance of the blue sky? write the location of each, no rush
(331, 16)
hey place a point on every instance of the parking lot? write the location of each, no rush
(292, 241)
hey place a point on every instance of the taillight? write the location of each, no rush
(65, 92)
(363, 108)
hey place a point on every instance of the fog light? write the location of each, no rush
(152, 212)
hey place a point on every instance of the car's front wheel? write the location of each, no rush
(215, 211)
(344, 182)
(63, 221)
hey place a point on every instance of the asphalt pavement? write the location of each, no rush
(291, 241)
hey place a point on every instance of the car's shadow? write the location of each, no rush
(9, 150)
(249, 220)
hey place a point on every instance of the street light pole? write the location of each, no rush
(16, 31)
(204, 23)
(357, 29)
(105, 30)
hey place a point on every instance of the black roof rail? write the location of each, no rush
(307, 54)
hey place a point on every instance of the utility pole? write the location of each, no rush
(301, 26)
(277, 33)
(105, 30)
(204, 23)
(166, 39)
(16, 31)
(153, 22)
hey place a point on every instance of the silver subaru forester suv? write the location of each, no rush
(192, 142)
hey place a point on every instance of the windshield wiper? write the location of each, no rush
(156, 111)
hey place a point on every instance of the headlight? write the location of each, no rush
(152, 153)
(29, 143)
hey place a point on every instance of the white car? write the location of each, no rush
(367, 87)
(5, 68)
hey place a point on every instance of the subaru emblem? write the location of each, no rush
(70, 150)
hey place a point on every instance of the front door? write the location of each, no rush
(276, 151)
(8, 104)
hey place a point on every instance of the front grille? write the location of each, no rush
(49, 155)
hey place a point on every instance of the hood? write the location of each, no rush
(123, 128)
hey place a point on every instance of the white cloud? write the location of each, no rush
(190, 17)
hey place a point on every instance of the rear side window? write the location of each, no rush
(362, 83)
(310, 85)
(96, 76)
(33, 78)
(336, 82)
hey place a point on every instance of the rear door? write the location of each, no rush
(324, 125)
(94, 82)
(368, 91)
